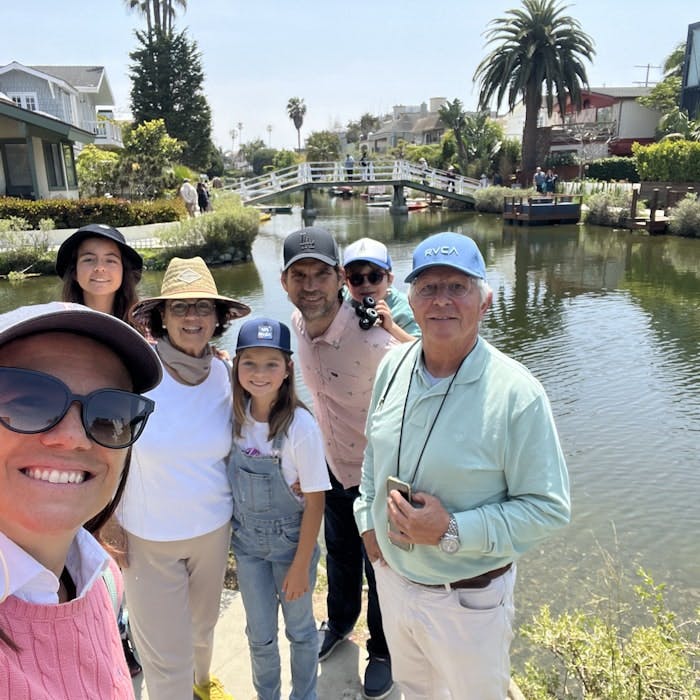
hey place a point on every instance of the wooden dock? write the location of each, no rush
(543, 210)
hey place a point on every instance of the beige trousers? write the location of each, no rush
(448, 645)
(174, 592)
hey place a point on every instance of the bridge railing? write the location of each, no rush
(336, 172)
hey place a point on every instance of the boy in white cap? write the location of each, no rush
(368, 274)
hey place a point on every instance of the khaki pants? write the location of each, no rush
(448, 645)
(174, 592)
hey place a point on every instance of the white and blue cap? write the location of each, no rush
(450, 250)
(367, 250)
(264, 333)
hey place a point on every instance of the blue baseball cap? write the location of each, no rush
(451, 250)
(264, 333)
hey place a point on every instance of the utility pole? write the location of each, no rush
(646, 80)
(269, 135)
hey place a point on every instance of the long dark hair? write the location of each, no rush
(93, 526)
(282, 411)
(125, 296)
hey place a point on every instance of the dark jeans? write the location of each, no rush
(344, 562)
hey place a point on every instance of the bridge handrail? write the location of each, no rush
(335, 172)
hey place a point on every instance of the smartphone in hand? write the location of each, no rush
(404, 488)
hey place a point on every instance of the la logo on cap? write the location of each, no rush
(265, 331)
(306, 242)
(442, 250)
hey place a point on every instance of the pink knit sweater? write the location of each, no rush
(70, 651)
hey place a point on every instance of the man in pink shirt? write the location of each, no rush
(338, 362)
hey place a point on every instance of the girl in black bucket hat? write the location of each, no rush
(99, 269)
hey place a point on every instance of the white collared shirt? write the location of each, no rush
(34, 583)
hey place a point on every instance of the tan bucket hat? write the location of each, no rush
(187, 278)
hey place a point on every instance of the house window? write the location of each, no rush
(69, 161)
(52, 158)
(25, 100)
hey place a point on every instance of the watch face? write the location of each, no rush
(449, 545)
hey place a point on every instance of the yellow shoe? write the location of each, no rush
(214, 690)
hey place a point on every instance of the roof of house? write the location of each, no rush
(621, 92)
(46, 122)
(428, 123)
(78, 76)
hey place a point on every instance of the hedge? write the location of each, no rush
(669, 161)
(613, 168)
(74, 213)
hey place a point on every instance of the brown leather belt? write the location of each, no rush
(480, 581)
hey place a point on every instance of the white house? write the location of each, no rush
(44, 112)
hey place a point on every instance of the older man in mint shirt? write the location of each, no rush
(471, 432)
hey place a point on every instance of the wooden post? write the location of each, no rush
(635, 199)
(654, 204)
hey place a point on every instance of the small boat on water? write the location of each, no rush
(265, 216)
(543, 210)
(342, 191)
(417, 204)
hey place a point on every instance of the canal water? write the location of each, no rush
(610, 324)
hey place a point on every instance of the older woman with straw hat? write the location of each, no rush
(177, 507)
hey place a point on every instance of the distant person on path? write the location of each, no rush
(423, 165)
(277, 444)
(368, 273)
(483, 180)
(497, 179)
(338, 361)
(71, 406)
(189, 197)
(550, 181)
(363, 165)
(349, 166)
(202, 197)
(467, 434)
(451, 176)
(176, 510)
(538, 179)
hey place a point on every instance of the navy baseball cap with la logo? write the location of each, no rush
(264, 333)
(451, 250)
(311, 242)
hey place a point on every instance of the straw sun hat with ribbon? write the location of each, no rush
(187, 278)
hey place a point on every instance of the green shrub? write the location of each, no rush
(227, 231)
(490, 199)
(610, 208)
(668, 161)
(613, 168)
(74, 213)
(685, 217)
(559, 158)
(597, 655)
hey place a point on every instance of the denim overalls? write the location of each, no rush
(266, 526)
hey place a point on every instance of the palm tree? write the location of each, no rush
(673, 65)
(159, 13)
(296, 109)
(453, 116)
(537, 50)
(144, 7)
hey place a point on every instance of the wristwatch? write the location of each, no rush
(449, 542)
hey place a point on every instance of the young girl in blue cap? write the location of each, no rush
(277, 445)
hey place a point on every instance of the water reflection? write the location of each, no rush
(609, 322)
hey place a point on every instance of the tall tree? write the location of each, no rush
(296, 109)
(167, 79)
(160, 14)
(537, 50)
(453, 116)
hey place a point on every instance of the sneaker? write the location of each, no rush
(328, 640)
(214, 690)
(378, 680)
(131, 660)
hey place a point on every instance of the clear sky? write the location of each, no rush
(343, 59)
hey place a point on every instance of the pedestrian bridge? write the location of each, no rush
(322, 175)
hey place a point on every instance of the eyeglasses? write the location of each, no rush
(33, 402)
(202, 307)
(454, 290)
(373, 277)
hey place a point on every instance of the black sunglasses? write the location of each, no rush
(372, 277)
(33, 402)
